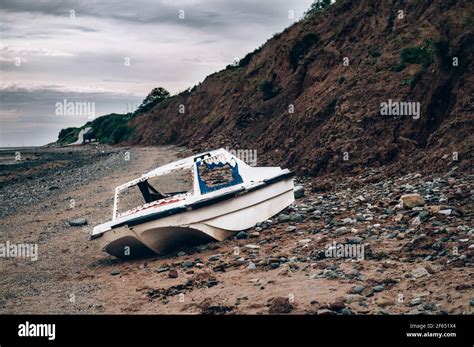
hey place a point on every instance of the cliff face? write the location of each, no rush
(310, 98)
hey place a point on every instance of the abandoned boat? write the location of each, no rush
(210, 196)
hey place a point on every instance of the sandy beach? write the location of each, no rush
(414, 261)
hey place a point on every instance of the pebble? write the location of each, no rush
(241, 235)
(298, 192)
(78, 222)
(283, 217)
(173, 273)
(162, 269)
(188, 263)
(378, 288)
(358, 289)
(419, 272)
(350, 298)
(215, 257)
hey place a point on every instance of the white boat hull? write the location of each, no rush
(213, 222)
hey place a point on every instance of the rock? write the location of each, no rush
(241, 235)
(446, 212)
(298, 191)
(201, 248)
(291, 228)
(345, 311)
(385, 301)
(471, 303)
(357, 289)
(341, 230)
(398, 217)
(280, 305)
(252, 246)
(429, 306)
(350, 298)
(115, 273)
(215, 257)
(329, 273)
(188, 263)
(251, 266)
(274, 265)
(78, 222)
(283, 217)
(173, 273)
(416, 221)
(296, 218)
(337, 305)
(419, 272)
(162, 269)
(424, 214)
(411, 200)
(181, 254)
(355, 240)
(304, 241)
(347, 221)
(415, 301)
(254, 234)
(378, 288)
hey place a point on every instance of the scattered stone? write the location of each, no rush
(280, 305)
(162, 269)
(78, 222)
(358, 289)
(296, 218)
(325, 312)
(419, 272)
(355, 240)
(173, 273)
(291, 228)
(378, 288)
(411, 200)
(298, 192)
(337, 305)
(252, 246)
(416, 301)
(241, 235)
(385, 301)
(350, 298)
(283, 218)
(115, 273)
(251, 266)
(215, 257)
(188, 263)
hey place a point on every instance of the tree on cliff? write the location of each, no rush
(156, 96)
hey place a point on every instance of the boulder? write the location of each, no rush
(411, 200)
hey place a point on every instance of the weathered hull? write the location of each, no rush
(213, 222)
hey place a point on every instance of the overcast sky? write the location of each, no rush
(79, 51)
